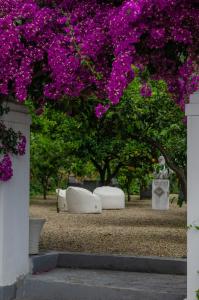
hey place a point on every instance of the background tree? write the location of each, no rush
(157, 122)
(103, 143)
(152, 123)
(132, 179)
(51, 154)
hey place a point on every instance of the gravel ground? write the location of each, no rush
(136, 230)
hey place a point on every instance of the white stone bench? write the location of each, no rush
(82, 201)
(111, 197)
(62, 203)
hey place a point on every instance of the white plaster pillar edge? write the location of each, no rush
(192, 112)
(14, 205)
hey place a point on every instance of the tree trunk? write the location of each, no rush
(108, 173)
(111, 175)
(183, 188)
(101, 171)
(44, 193)
(128, 193)
(129, 181)
(45, 187)
(102, 177)
(57, 204)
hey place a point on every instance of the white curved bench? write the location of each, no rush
(62, 203)
(111, 197)
(82, 201)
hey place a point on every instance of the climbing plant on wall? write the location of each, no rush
(11, 142)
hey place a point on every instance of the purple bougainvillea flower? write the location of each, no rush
(146, 91)
(100, 110)
(6, 171)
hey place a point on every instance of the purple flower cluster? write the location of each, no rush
(100, 110)
(89, 45)
(146, 91)
(21, 147)
(165, 45)
(6, 171)
(11, 143)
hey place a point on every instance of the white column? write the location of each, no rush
(192, 112)
(14, 206)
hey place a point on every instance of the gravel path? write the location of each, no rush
(137, 230)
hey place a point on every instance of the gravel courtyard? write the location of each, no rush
(136, 230)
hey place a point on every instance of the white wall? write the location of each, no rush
(14, 207)
(192, 111)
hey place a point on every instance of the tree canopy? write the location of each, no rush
(163, 127)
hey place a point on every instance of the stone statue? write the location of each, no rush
(161, 172)
(160, 188)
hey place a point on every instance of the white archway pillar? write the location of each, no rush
(14, 206)
(192, 112)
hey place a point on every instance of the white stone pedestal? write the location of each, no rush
(192, 112)
(14, 207)
(160, 194)
(35, 228)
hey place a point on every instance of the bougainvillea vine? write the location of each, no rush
(50, 49)
(11, 143)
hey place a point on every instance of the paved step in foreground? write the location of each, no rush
(79, 284)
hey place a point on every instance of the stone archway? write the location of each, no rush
(14, 205)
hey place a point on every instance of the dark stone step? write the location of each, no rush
(159, 265)
(81, 284)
